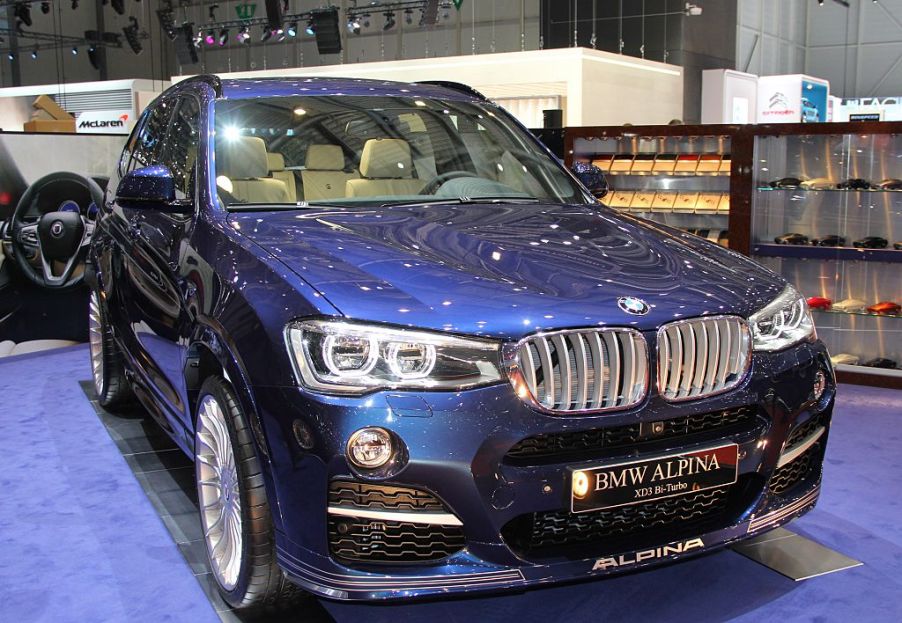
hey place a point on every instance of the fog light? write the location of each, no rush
(370, 448)
(820, 384)
(580, 484)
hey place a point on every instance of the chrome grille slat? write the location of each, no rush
(585, 370)
(701, 356)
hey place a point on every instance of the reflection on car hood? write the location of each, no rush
(505, 270)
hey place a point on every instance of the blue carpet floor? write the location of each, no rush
(80, 541)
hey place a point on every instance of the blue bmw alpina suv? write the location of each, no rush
(411, 354)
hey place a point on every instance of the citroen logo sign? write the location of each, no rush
(632, 305)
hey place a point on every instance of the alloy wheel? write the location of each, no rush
(95, 339)
(219, 494)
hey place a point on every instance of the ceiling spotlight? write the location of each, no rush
(292, 29)
(93, 57)
(267, 34)
(74, 50)
(22, 12)
(389, 20)
(132, 36)
(243, 35)
(45, 8)
(692, 9)
(198, 39)
(210, 39)
(280, 34)
(366, 20)
(354, 26)
(408, 16)
(820, 2)
(167, 23)
(310, 29)
(11, 56)
(34, 53)
(223, 36)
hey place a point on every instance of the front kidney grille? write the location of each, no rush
(583, 444)
(702, 356)
(585, 370)
(550, 531)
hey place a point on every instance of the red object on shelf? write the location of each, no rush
(819, 302)
(885, 307)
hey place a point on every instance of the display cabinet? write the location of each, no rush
(682, 176)
(826, 210)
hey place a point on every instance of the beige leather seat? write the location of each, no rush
(324, 176)
(276, 165)
(9, 349)
(385, 169)
(242, 162)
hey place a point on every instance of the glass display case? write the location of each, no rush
(826, 213)
(677, 175)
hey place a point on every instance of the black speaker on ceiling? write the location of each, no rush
(274, 14)
(326, 31)
(185, 51)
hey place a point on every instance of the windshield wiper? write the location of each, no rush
(462, 201)
(275, 207)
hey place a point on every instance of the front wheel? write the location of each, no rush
(107, 364)
(234, 510)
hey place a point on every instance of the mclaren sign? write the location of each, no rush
(105, 122)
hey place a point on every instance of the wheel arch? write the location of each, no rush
(212, 353)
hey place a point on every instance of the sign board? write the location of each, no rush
(888, 108)
(105, 122)
(869, 116)
(792, 99)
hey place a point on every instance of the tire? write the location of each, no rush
(107, 364)
(232, 504)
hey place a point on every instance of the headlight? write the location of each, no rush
(783, 322)
(338, 357)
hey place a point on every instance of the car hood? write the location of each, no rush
(506, 270)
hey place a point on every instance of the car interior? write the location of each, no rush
(317, 150)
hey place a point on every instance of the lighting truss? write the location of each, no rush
(428, 16)
(244, 25)
(48, 41)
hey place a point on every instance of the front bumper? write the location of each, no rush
(458, 449)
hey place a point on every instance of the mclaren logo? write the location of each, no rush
(626, 560)
(104, 123)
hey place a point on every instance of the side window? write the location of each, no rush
(180, 150)
(150, 137)
(130, 144)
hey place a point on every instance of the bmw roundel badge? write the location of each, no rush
(632, 305)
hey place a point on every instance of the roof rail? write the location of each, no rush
(210, 79)
(455, 86)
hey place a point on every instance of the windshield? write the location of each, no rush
(375, 151)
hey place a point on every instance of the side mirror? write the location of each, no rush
(151, 187)
(591, 177)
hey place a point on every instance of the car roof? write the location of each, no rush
(248, 88)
